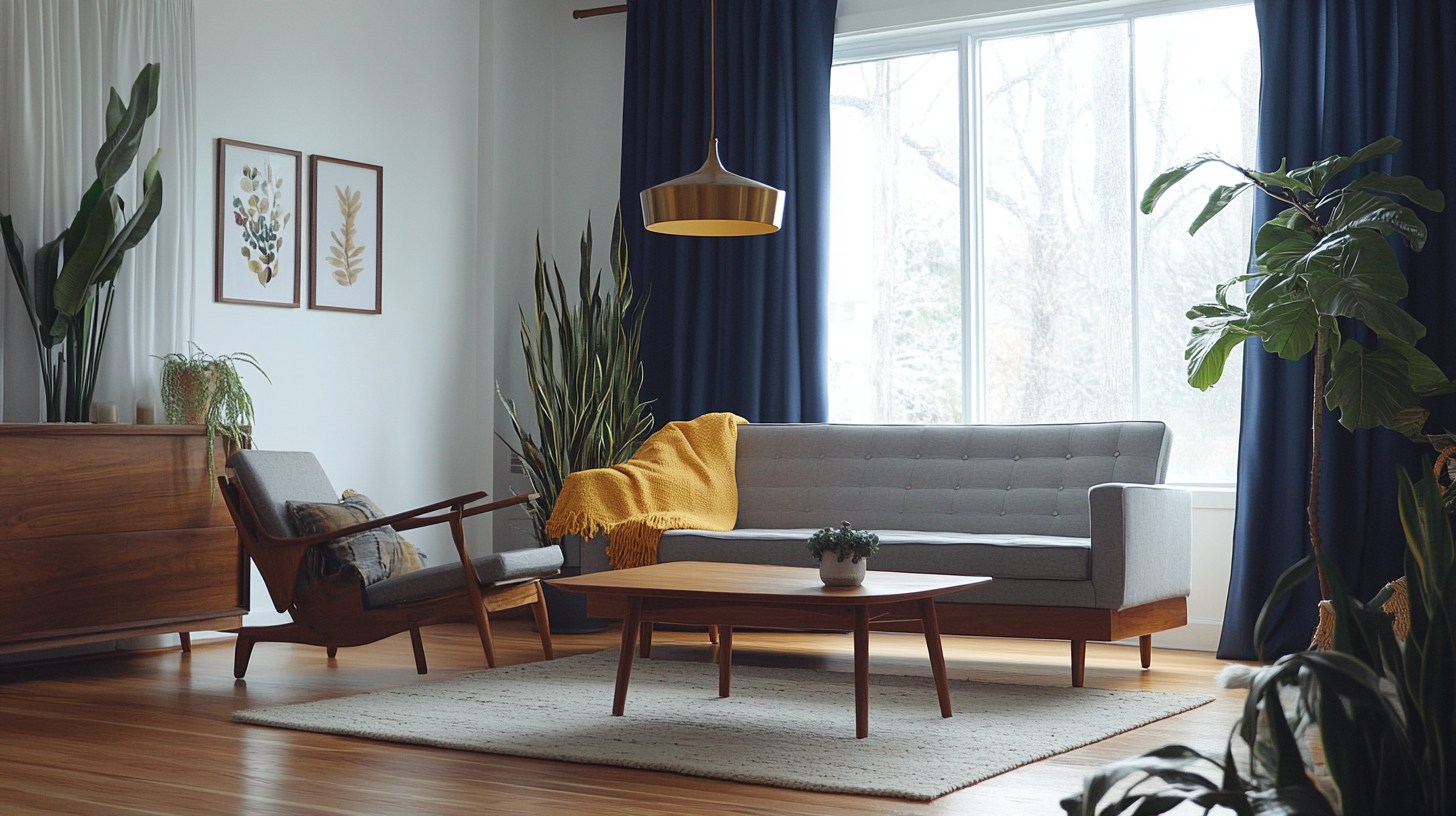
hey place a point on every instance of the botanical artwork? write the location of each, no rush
(261, 217)
(344, 253)
(346, 200)
(258, 195)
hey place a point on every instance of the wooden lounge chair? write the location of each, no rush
(339, 610)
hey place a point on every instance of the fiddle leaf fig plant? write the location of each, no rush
(1324, 258)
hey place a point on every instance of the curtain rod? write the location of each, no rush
(581, 14)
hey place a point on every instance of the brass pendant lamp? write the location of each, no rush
(712, 201)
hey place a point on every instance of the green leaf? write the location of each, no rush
(1221, 197)
(1361, 210)
(1281, 178)
(78, 274)
(120, 147)
(114, 111)
(1278, 248)
(1423, 370)
(1287, 583)
(1410, 187)
(1369, 388)
(1357, 275)
(1216, 331)
(1326, 169)
(1169, 177)
(135, 229)
(1286, 327)
(47, 270)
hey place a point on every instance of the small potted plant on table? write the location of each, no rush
(847, 549)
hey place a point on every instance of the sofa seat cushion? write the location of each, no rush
(1054, 558)
(495, 568)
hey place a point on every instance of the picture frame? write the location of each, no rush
(346, 235)
(257, 200)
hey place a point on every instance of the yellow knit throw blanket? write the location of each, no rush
(682, 478)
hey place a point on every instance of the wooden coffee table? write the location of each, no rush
(728, 595)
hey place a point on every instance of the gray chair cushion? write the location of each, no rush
(447, 578)
(1050, 558)
(273, 478)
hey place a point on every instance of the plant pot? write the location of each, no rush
(194, 389)
(567, 610)
(846, 573)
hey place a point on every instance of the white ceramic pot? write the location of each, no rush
(846, 573)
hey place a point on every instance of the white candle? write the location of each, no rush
(106, 413)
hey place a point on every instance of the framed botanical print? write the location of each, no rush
(258, 199)
(346, 217)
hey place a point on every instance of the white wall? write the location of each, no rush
(395, 405)
(557, 149)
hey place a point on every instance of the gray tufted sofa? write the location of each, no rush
(1069, 520)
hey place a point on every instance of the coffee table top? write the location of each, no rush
(755, 582)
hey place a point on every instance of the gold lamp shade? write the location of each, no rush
(712, 201)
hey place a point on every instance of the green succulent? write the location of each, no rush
(845, 542)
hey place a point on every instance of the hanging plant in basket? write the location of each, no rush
(200, 389)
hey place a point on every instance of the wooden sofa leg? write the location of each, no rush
(242, 652)
(331, 651)
(713, 634)
(186, 638)
(1079, 662)
(543, 624)
(1145, 650)
(419, 647)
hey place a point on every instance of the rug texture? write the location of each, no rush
(792, 728)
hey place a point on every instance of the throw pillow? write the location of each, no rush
(373, 554)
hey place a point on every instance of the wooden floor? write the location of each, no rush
(148, 732)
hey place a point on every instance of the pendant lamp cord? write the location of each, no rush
(712, 71)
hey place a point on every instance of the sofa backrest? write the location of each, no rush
(1022, 479)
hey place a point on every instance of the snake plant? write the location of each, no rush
(585, 376)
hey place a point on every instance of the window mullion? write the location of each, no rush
(1133, 201)
(973, 346)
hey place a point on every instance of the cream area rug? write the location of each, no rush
(791, 728)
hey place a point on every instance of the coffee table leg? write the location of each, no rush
(624, 659)
(861, 671)
(725, 659)
(937, 656)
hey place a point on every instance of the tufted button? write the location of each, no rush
(1061, 487)
(821, 456)
(867, 456)
(1069, 456)
(1117, 453)
(957, 487)
(1003, 512)
(1055, 513)
(907, 487)
(1016, 458)
(964, 457)
(1008, 487)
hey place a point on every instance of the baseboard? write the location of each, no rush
(1199, 635)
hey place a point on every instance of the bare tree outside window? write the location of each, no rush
(1081, 313)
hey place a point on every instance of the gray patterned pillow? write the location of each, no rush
(373, 554)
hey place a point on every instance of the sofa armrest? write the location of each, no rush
(591, 555)
(1142, 544)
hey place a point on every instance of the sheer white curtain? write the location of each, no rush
(58, 60)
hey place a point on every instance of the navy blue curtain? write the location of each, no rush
(732, 324)
(1337, 75)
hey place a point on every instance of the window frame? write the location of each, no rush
(966, 37)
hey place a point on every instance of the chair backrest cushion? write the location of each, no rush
(373, 554)
(271, 479)
(1003, 479)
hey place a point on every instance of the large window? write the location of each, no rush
(988, 261)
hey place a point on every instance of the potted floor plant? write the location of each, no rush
(1383, 708)
(1323, 263)
(68, 290)
(843, 554)
(585, 377)
(200, 389)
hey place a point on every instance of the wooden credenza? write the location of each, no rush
(110, 531)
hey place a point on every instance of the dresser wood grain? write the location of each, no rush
(110, 531)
